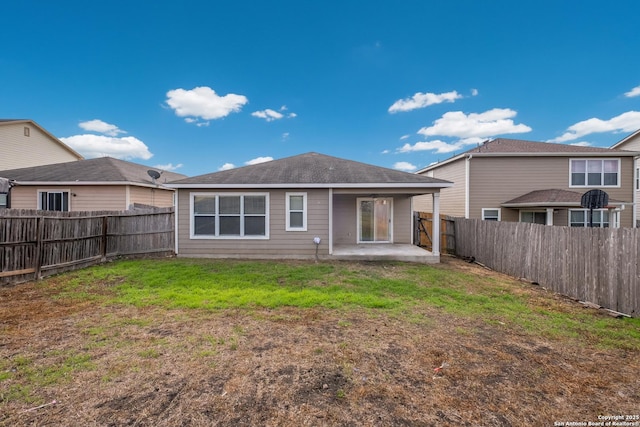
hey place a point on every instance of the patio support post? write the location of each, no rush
(435, 236)
(549, 216)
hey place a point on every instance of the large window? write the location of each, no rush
(53, 201)
(580, 218)
(533, 217)
(229, 215)
(595, 173)
(491, 214)
(296, 206)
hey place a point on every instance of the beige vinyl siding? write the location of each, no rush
(495, 180)
(345, 222)
(158, 197)
(280, 244)
(402, 219)
(82, 198)
(20, 151)
(452, 199)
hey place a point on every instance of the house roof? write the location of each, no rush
(550, 198)
(56, 140)
(626, 139)
(100, 171)
(504, 147)
(311, 170)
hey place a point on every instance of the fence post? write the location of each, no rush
(39, 246)
(103, 241)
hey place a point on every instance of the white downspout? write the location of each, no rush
(636, 165)
(330, 221)
(175, 218)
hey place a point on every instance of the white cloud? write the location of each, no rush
(633, 92)
(268, 114)
(169, 167)
(226, 167)
(422, 100)
(99, 126)
(437, 146)
(474, 92)
(404, 166)
(385, 151)
(271, 115)
(258, 160)
(285, 136)
(582, 144)
(625, 122)
(403, 137)
(203, 102)
(91, 146)
(497, 121)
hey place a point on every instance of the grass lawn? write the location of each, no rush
(218, 342)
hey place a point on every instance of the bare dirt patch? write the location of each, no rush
(316, 367)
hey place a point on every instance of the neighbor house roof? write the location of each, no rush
(503, 147)
(32, 123)
(549, 198)
(626, 139)
(311, 170)
(100, 171)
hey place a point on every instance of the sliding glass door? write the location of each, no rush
(374, 220)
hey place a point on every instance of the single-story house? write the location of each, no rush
(89, 185)
(301, 207)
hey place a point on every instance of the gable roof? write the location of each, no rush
(43, 130)
(100, 171)
(626, 139)
(310, 170)
(504, 147)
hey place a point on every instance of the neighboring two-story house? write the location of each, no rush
(24, 143)
(632, 143)
(538, 182)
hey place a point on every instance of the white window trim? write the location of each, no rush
(194, 236)
(586, 174)
(586, 217)
(289, 211)
(492, 209)
(54, 191)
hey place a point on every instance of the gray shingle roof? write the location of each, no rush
(312, 169)
(504, 145)
(550, 197)
(104, 169)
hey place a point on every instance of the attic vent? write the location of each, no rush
(27, 131)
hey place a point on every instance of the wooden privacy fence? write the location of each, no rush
(423, 226)
(34, 244)
(598, 265)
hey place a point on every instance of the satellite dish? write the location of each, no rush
(154, 175)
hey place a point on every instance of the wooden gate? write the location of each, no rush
(423, 226)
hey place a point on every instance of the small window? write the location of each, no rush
(491, 214)
(53, 201)
(595, 173)
(27, 131)
(4, 200)
(580, 218)
(296, 206)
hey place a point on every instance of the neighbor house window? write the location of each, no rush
(580, 218)
(533, 217)
(491, 214)
(637, 178)
(229, 215)
(53, 201)
(3, 200)
(595, 173)
(296, 206)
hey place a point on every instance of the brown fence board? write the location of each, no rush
(40, 243)
(598, 265)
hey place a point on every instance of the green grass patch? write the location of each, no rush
(399, 289)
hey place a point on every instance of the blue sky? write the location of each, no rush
(199, 86)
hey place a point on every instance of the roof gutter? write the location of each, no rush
(317, 185)
(96, 183)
